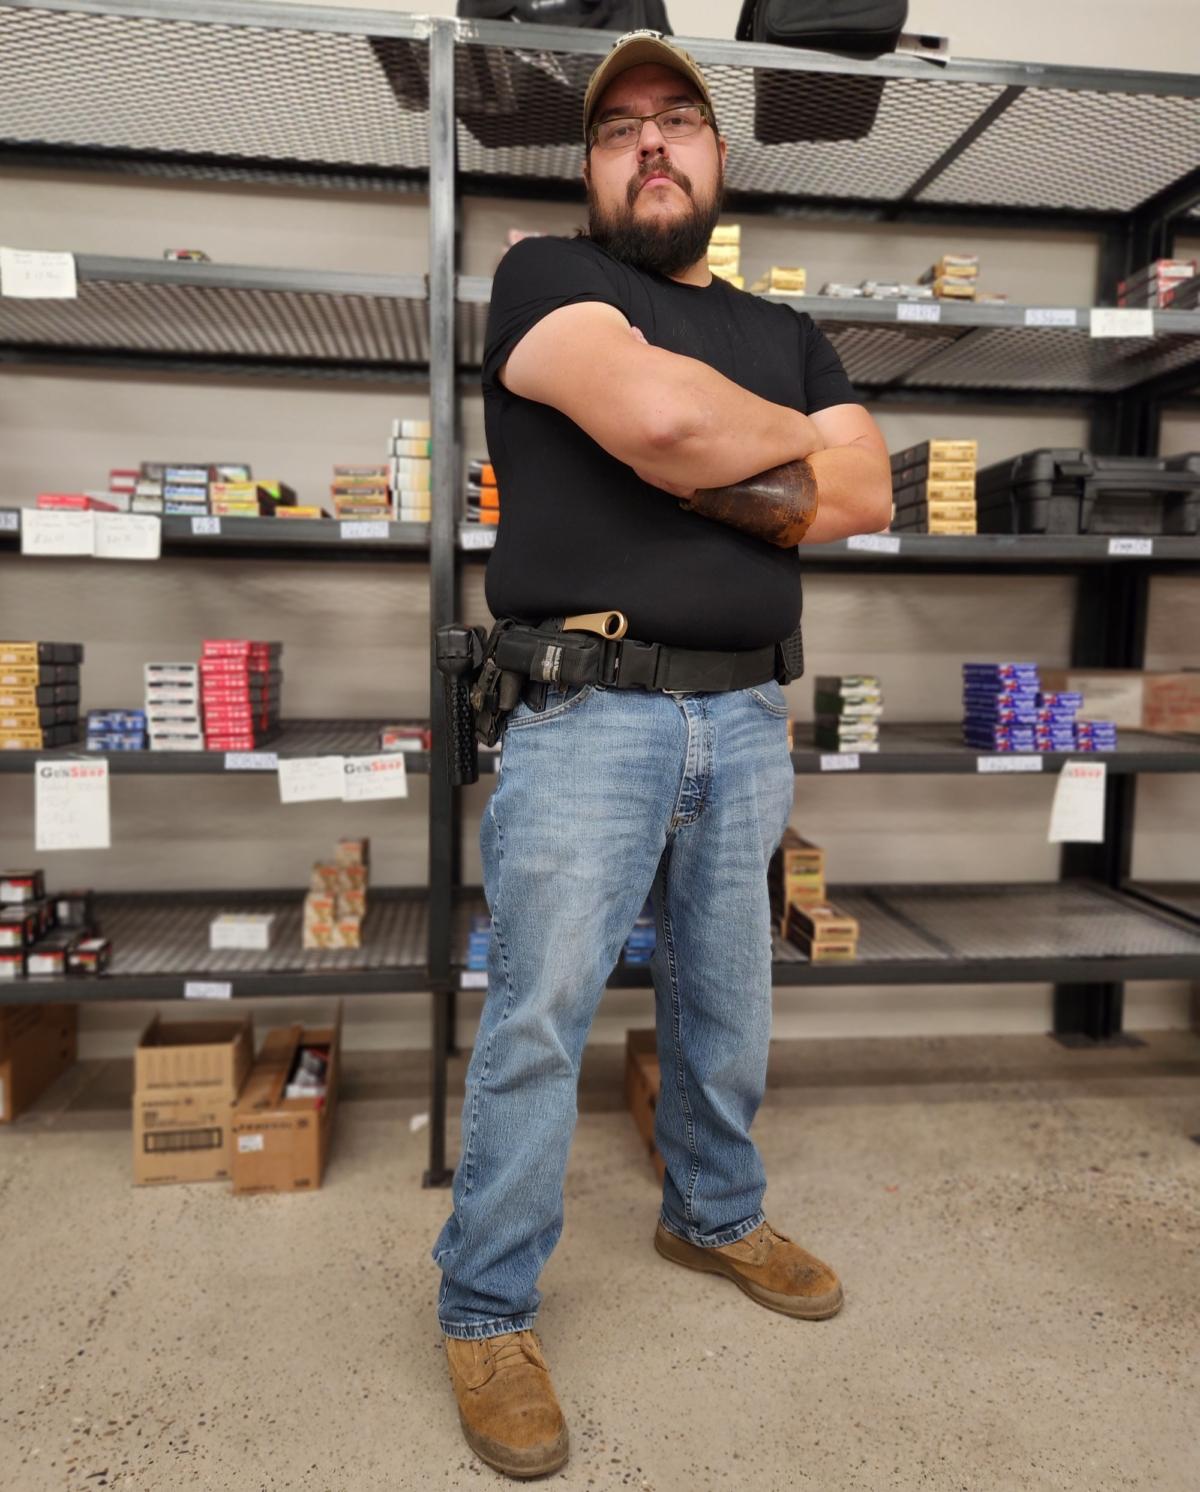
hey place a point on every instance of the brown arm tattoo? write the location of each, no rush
(777, 505)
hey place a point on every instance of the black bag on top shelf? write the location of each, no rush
(793, 106)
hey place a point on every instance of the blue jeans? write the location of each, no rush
(606, 796)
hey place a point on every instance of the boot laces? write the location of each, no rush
(509, 1353)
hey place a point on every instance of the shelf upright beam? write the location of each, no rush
(444, 809)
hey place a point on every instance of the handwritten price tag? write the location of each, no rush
(477, 538)
(71, 806)
(369, 777)
(132, 536)
(1105, 321)
(875, 543)
(369, 529)
(251, 761)
(1050, 316)
(845, 762)
(1142, 548)
(206, 989)
(1078, 812)
(30, 274)
(206, 526)
(306, 779)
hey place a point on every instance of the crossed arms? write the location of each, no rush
(690, 431)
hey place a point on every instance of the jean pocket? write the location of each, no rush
(771, 697)
(560, 699)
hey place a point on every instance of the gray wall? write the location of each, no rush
(357, 635)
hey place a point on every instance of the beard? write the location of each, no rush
(663, 248)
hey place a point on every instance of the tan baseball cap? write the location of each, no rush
(632, 50)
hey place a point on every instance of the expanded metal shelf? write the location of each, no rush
(1063, 932)
(1180, 897)
(917, 552)
(938, 749)
(197, 313)
(219, 85)
(266, 538)
(297, 738)
(160, 944)
(966, 134)
(970, 347)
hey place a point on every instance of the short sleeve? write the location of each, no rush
(535, 277)
(825, 379)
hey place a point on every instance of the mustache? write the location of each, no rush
(657, 168)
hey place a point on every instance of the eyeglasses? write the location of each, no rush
(624, 132)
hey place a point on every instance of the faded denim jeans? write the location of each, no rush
(605, 796)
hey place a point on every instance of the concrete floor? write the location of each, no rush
(1017, 1228)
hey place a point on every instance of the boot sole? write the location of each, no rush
(554, 1456)
(812, 1308)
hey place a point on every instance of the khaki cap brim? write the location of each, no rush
(633, 50)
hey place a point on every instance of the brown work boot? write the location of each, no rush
(768, 1266)
(506, 1403)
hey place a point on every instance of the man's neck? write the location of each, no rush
(695, 274)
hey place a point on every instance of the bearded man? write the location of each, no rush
(664, 442)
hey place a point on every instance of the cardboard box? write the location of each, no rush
(37, 1045)
(281, 1144)
(187, 1078)
(1168, 702)
(642, 1084)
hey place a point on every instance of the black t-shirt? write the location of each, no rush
(579, 530)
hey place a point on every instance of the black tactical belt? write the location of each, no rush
(549, 656)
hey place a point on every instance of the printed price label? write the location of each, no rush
(58, 531)
(206, 989)
(247, 1143)
(846, 762)
(251, 761)
(1140, 547)
(71, 806)
(477, 538)
(10, 523)
(132, 536)
(918, 310)
(1078, 812)
(473, 979)
(30, 274)
(875, 543)
(1050, 316)
(306, 779)
(1107, 321)
(368, 777)
(369, 529)
(206, 526)
(1012, 763)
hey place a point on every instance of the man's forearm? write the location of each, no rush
(836, 492)
(709, 431)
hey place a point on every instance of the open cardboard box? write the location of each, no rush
(281, 1144)
(187, 1076)
(37, 1044)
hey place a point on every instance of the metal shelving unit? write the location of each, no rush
(297, 738)
(1060, 932)
(160, 946)
(969, 349)
(375, 101)
(1179, 897)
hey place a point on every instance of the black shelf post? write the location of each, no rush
(444, 811)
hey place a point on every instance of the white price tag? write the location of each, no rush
(307, 779)
(206, 526)
(247, 1143)
(1009, 763)
(846, 762)
(367, 777)
(251, 761)
(1141, 547)
(875, 543)
(1050, 316)
(918, 310)
(1107, 321)
(71, 805)
(30, 274)
(1078, 812)
(131, 536)
(473, 979)
(58, 531)
(10, 523)
(477, 538)
(370, 529)
(206, 989)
